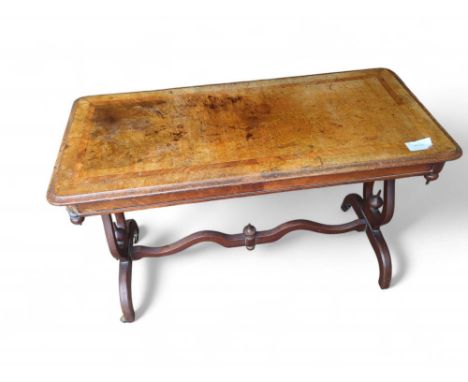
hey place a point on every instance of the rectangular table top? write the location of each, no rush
(136, 150)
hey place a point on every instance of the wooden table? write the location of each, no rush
(124, 152)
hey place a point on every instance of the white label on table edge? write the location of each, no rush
(421, 144)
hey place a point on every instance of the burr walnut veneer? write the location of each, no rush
(124, 152)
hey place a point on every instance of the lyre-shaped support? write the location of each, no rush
(376, 212)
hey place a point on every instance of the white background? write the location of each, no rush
(305, 308)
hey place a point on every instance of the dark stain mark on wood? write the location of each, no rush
(179, 133)
(215, 103)
(234, 99)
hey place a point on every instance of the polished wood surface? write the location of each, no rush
(137, 150)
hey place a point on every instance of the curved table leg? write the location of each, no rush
(125, 290)
(121, 235)
(383, 256)
(125, 273)
(376, 212)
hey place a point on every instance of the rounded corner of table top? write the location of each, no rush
(52, 197)
(80, 101)
(55, 198)
(388, 71)
(458, 152)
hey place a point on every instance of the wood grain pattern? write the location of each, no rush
(137, 150)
